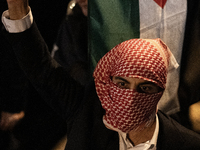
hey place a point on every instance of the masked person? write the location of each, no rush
(116, 111)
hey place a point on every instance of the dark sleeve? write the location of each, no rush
(12, 80)
(72, 46)
(51, 81)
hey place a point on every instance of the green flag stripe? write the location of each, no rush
(110, 23)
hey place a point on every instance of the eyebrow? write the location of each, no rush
(120, 78)
(145, 82)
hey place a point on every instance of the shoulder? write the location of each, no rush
(172, 135)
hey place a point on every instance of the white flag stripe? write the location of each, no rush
(169, 25)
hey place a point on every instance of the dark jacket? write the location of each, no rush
(79, 106)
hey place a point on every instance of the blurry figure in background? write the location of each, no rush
(189, 87)
(71, 46)
(84, 6)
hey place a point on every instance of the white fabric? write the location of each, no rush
(15, 26)
(125, 144)
(169, 25)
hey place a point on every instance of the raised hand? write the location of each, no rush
(17, 9)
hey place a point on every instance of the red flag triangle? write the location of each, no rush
(161, 3)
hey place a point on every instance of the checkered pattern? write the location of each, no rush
(141, 58)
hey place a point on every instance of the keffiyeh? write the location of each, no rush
(145, 59)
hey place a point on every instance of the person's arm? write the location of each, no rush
(17, 9)
(50, 80)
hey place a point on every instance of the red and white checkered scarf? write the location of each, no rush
(128, 109)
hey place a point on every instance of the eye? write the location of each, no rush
(149, 88)
(122, 85)
(145, 88)
(121, 82)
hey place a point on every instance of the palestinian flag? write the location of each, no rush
(114, 21)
